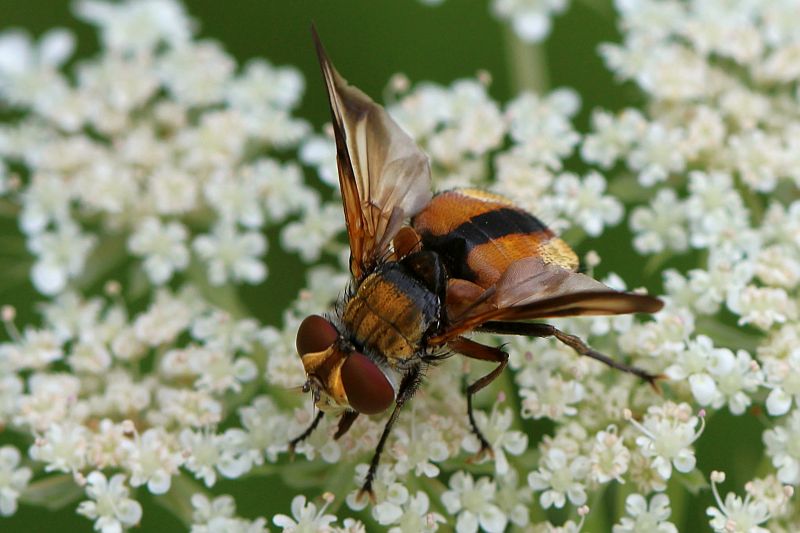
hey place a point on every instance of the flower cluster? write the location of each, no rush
(161, 162)
(159, 142)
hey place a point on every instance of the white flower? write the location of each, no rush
(560, 478)
(419, 450)
(715, 209)
(697, 363)
(266, 428)
(35, 350)
(661, 225)
(609, 457)
(762, 306)
(584, 202)
(196, 73)
(236, 199)
(13, 479)
(411, 515)
(51, 398)
(232, 255)
(219, 515)
(778, 265)
(45, 202)
(109, 507)
(305, 517)
(174, 191)
(611, 136)
(219, 372)
(646, 518)
(549, 395)
(18, 54)
(309, 235)
(736, 514)
(153, 459)
(474, 504)
(529, 18)
(207, 453)
(137, 26)
(164, 248)
(63, 447)
(666, 336)
(541, 127)
(164, 320)
(320, 152)
(218, 329)
(772, 493)
(263, 84)
(496, 428)
(781, 448)
(186, 408)
(658, 152)
(668, 432)
(61, 256)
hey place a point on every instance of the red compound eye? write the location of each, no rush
(315, 334)
(368, 391)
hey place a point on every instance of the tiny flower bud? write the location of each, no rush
(399, 83)
(112, 288)
(592, 259)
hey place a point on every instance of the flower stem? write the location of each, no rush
(527, 64)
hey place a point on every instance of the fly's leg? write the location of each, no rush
(347, 419)
(546, 330)
(305, 434)
(475, 350)
(407, 388)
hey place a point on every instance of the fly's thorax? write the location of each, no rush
(390, 313)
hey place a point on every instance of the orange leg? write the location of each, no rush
(546, 330)
(475, 350)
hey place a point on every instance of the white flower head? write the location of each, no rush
(109, 506)
(780, 442)
(496, 428)
(137, 26)
(163, 247)
(644, 517)
(219, 514)
(667, 434)
(474, 504)
(305, 516)
(736, 514)
(13, 479)
(232, 255)
(560, 477)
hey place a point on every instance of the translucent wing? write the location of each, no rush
(384, 176)
(533, 289)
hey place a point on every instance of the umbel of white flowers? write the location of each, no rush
(180, 177)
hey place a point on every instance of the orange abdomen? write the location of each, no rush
(478, 235)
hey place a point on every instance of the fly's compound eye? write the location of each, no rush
(315, 334)
(367, 388)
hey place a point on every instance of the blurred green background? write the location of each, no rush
(370, 40)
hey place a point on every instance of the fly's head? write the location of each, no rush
(337, 374)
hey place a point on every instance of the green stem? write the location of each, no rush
(527, 64)
(178, 500)
(732, 336)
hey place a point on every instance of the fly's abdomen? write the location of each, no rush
(478, 235)
(391, 312)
